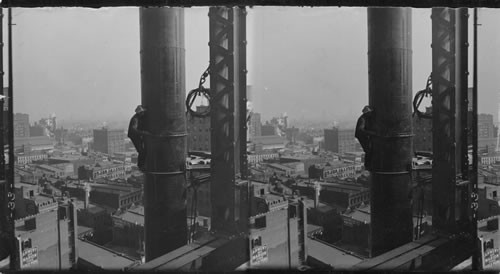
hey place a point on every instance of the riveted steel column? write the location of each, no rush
(463, 127)
(390, 94)
(7, 196)
(476, 257)
(227, 85)
(163, 95)
(5, 221)
(15, 260)
(242, 81)
(462, 88)
(446, 105)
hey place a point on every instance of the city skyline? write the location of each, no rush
(99, 65)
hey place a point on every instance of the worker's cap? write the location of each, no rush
(367, 109)
(139, 109)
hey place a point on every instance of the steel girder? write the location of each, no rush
(450, 141)
(228, 105)
(443, 114)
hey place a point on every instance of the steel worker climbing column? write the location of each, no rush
(390, 95)
(163, 96)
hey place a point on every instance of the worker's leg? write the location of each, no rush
(367, 150)
(142, 156)
(368, 160)
(140, 150)
(368, 157)
(141, 161)
(137, 144)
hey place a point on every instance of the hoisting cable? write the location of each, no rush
(199, 91)
(418, 99)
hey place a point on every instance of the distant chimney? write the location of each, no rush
(87, 194)
(317, 189)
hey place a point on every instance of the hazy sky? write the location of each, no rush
(309, 62)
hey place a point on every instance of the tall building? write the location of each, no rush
(331, 140)
(485, 126)
(255, 128)
(21, 125)
(278, 236)
(276, 126)
(37, 130)
(268, 129)
(45, 231)
(488, 235)
(40, 143)
(101, 170)
(198, 128)
(109, 141)
(340, 140)
(291, 134)
(61, 135)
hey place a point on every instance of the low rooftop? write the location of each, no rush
(336, 164)
(102, 257)
(490, 154)
(280, 167)
(84, 229)
(340, 186)
(24, 185)
(49, 168)
(34, 141)
(91, 208)
(42, 199)
(344, 186)
(361, 214)
(268, 140)
(300, 157)
(70, 157)
(30, 153)
(133, 215)
(273, 198)
(330, 255)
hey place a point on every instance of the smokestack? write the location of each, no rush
(86, 187)
(163, 95)
(390, 95)
(317, 190)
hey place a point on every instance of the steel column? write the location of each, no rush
(463, 126)
(443, 114)
(449, 81)
(242, 71)
(462, 75)
(227, 87)
(15, 260)
(163, 95)
(390, 94)
(5, 191)
(475, 157)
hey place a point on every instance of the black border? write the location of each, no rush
(297, 3)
